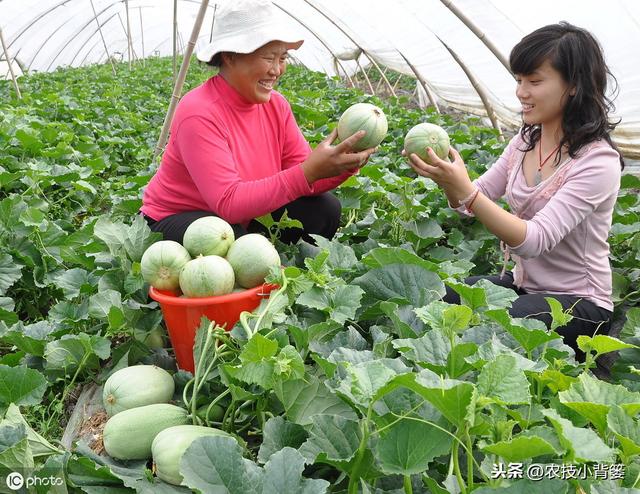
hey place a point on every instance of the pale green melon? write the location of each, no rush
(136, 386)
(425, 135)
(208, 236)
(169, 446)
(162, 262)
(207, 276)
(129, 434)
(251, 257)
(367, 117)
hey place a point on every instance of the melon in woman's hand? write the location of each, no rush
(162, 262)
(427, 135)
(252, 257)
(367, 117)
(208, 236)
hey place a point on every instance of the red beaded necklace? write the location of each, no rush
(538, 176)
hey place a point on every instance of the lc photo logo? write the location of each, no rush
(15, 481)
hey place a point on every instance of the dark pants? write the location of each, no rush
(587, 317)
(318, 214)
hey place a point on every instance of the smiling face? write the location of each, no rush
(255, 74)
(543, 95)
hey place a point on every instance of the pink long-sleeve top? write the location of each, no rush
(237, 159)
(568, 217)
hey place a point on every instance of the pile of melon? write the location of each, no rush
(143, 424)
(210, 261)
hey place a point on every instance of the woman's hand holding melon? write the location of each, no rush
(327, 160)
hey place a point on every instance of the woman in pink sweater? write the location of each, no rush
(235, 150)
(560, 176)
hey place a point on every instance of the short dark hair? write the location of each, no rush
(216, 60)
(576, 54)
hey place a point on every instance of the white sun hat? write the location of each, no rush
(243, 26)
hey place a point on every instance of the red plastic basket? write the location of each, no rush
(182, 315)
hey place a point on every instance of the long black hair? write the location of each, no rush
(578, 57)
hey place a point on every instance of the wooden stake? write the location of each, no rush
(476, 30)
(430, 96)
(213, 20)
(113, 67)
(10, 65)
(479, 89)
(343, 29)
(177, 89)
(124, 30)
(175, 40)
(365, 75)
(336, 61)
(129, 44)
(144, 63)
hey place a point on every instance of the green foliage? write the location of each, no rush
(353, 375)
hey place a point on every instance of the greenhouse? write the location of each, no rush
(212, 280)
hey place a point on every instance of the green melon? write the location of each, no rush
(367, 117)
(425, 135)
(207, 276)
(169, 446)
(162, 262)
(251, 257)
(208, 236)
(129, 434)
(136, 386)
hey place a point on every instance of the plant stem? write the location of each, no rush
(362, 449)
(279, 292)
(408, 488)
(75, 376)
(452, 357)
(456, 468)
(469, 457)
(198, 374)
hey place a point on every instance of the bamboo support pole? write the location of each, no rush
(47, 39)
(72, 38)
(381, 80)
(343, 29)
(177, 89)
(480, 34)
(366, 77)
(84, 45)
(14, 79)
(335, 58)
(129, 45)
(423, 83)
(89, 51)
(175, 41)
(144, 63)
(395, 84)
(106, 50)
(213, 21)
(478, 88)
(124, 30)
(44, 13)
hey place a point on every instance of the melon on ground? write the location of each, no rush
(136, 386)
(169, 446)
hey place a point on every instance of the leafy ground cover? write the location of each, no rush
(353, 376)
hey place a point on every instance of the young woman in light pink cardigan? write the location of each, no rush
(560, 176)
